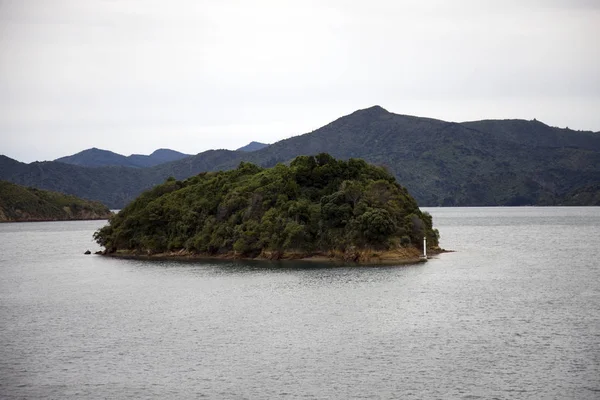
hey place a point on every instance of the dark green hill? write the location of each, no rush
(512, 162)
(113, 186)
(315, 206)
(96, 158)
(18, 203)
(535, 133)
(589, 195)
(495, 162)
(103, 158)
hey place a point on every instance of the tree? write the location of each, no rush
(376, 225)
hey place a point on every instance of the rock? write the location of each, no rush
(99, 253)
(87, 252)
(351, 254)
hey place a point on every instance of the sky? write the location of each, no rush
(191, 75)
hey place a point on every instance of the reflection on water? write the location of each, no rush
(514, 313)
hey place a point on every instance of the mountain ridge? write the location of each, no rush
(488, 162)
(253, 146)
(95, 157)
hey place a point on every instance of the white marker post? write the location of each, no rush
(424, 246)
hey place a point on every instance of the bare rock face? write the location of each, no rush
(87, 252)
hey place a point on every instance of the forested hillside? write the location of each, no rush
(480, 163)
(316, 205)
(18, 203)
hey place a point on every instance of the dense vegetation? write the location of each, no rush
(589, 195)
(499, 162)
(316, 204)
(18, 203)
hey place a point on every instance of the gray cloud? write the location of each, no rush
(132, 76)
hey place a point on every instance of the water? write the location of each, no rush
(514, 313)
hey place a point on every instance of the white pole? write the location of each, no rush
(425, 246)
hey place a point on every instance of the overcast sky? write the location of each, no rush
(133, 76)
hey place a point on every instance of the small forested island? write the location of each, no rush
(22, 204)
(315, 208)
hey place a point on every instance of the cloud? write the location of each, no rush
(211, 74)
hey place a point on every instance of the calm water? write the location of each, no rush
(513, 314)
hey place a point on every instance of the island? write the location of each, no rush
(315, 208)
(25, 204)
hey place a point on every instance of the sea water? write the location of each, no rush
(513, 313)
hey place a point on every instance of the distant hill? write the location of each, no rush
(113, 186)
(19, 203)
(478, 163)
(96, 158)
(102, 158)
(253, 146)
(588, 195)
(159, 156)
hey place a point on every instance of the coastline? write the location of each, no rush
(403, 256)
(7, 221)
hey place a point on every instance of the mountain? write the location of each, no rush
(477, 163)
(101, 158)
(588, 195)
(113, 186)
(253, 146)
(96, 158)
(500, 162)
(19, 203)
(159, 156)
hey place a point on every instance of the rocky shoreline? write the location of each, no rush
(97, 218)
(401, 256)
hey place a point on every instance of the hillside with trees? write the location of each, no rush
(483, 163)
(18, 204)
(479, 163)
(317, 205)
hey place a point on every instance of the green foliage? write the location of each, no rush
(376, 225)
(314, 204)
(405, 241)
